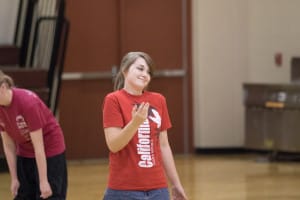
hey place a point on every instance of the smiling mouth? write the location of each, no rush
(142, 79)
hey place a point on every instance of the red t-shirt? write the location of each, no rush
(28, 113)
(138, 166)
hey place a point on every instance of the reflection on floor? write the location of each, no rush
(205, 177)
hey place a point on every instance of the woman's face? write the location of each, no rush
(138, 75)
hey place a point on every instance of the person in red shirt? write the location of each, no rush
(135, 123)
(33, 144)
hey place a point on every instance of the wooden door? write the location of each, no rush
(92, 49)
(101, 32)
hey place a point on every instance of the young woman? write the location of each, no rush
(33, 144)
(135, 125)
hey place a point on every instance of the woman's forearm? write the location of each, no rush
(38, 144)
(10, 154)
(118, 138)
(169, 165)
(42, 166)
(168, 160)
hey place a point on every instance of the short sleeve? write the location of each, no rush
(112, 115)
(35, 117)
(166, 122)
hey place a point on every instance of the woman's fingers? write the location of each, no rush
(140, 112)
(143, 109)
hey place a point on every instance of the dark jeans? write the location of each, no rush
(157, 194)
(29, 178)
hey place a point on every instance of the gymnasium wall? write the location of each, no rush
(235, 42)
(220, 67)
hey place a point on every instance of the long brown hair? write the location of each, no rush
(6, 79)
(126, 62)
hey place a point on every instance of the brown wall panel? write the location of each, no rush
(154, 27)
(80, 115)
(171, 89)
(93, 42)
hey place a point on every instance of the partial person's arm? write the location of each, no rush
(117, 138)
(10, 154)
(170, 168)
(40, 156)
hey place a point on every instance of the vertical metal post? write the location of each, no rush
(185, 92)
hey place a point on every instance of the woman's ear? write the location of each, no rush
(3, 85)
(2, 88)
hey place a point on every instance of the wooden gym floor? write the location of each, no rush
(205, 177)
